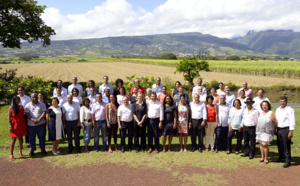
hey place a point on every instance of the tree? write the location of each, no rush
(20, 20)
(191, 69)
(169, 56)
(233, 58)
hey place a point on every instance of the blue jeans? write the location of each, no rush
(100, 125)
(87, 133)
(40, 131)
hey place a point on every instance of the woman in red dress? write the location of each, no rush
(17, 126)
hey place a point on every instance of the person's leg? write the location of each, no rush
(194, 132)
(211, 135)
(143, 137)
(180, 140)
(109, 133)
(96, 137)
(20, 139)
(170, 141)
(76, 130)
(262, 152)
(156, 134)
(218, 138)
(239, 139)
(103, 134)
(253, 142)
(12, 145)
(56, 145)
(41, 133)
(224, 138)
(164, 139)
(286, 144)
(130, 134)
(246, 141)
(26, 136)
(266, 152)
(185, 140)
(32, 136)
(229, 140)
(115, 133)
(200, 135)
(150, 134)
(207, 136)
(136, 136)
(69, 135)
(123, 135)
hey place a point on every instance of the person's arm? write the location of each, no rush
(204, 116)
(189, 116)
(64, 120)
(119, 123)
(175, 119)
(274, 120)
(93, 120)
(217, 116)
(161, 118)
(11, 129)
(78, 124)
(292, 123)
(106, 115)
(82, 113)
(41, 117)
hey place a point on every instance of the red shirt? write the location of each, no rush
(141, 89)
(211, 114)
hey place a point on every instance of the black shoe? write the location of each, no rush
(200, 150)
(216, 151)
(44, 152)
(251, 157)
(245, 155)
(193, 149)
(123, 150)
(129, 150)
(278, 161)
(137, 150)
(70, 151)
(228, 152)
(78, 151)
(31, 153)
(143, 150)
(97, 150)
(286, 165)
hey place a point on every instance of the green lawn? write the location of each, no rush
(171, 162)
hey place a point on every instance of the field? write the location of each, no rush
(121, 69)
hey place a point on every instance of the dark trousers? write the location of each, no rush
(127, 126)
(284, 144)
(197, 131)
(221, 138)
(40, 131)
(113, 130)
(72, 126)
(249, 135)
(140, 132)
(153, 132)
(27, 136)
(239, 138)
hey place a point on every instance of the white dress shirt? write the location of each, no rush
(103, 87)
(257, 102)
(71, 111)
(286, 117)
(157, 89)
(92, 100)
(85, 115)
(223, 115)
(77, 99)
(78, 86)
(250, 118)
(24, 100)
(155, 110)
(125, 113)
(64, 92)
(220, 92)
(229, 99)
(198, 110)
(62, 101)
(195, 90)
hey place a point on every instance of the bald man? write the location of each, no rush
(248, 91)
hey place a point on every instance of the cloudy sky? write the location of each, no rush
(78, 19)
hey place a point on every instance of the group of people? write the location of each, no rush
(211, 114)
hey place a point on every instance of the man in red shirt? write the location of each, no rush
(137, 83)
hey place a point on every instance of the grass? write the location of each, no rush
(173, 162)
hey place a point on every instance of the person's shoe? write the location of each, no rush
(44, 152)
(212, 149)
(181, 150)
(97, 150)
(206, 150)
(286, 165)
(70, 151)
(251, 157)
(156, 151)
(228, 152)
(245, 155)
(54, 153)
(216, 150)
(193, 149)
(123, 149)
(58, 152)
(200, 150)
(278, 160)
(129, 150)
(11, 157)
(78, 151)
(109, 150)
(150, 150)
(31, 153)
(236, 153)
(137, 150)
(142, 150)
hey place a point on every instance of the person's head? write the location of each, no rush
(283, 101)
(227, 89)
(86, 102)
(223, 99)
(199, 81)
(140, 97)
(122, 90)
(237, 103)
(242, 94)
(119, 83)
(153, 96)
(196, 97)
(177, 84)
(90, 83)
(54, 102)
(265, 106)
(164, 90)
(157, 80)
(209, 99)
(15, 104)
(112, 99)
(137, 82)
(212, 90)
(169, 100)
(99, 97)
(181, 90)
(182, 99)
(34, 98)
(21, 91)
(59, 83)
(58, 91)
(107, 92)
(70, 98)
(105, 79)
(249, 103)
(125, 101)
(221, 86)
(260, 93)
(75, 92)
(149, 91)
(74, 80)
(92, 91)
(41, 96)
(135, 89)
(199, 90)
(245, 85)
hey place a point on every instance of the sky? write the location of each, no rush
(222, 18)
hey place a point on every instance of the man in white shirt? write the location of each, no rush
(250, 119)
(199, 117)
(202, 96)
(24, 99)
(229, 96)
(222, 128)
(62, 100)
(259, 99)
(285, 116)
(92, 96)
(199, 84)
(71, 120)
(158, 86)
(155, 113)
(105, 85)
(64, 91)
(76, 85)
(125, 121)
(248, 91)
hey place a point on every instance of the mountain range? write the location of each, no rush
(282, 42)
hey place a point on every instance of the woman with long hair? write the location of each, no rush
(121, 95)
(183, 122)
(90, 84)
(175, 90)
(86, 122)
(112, 120)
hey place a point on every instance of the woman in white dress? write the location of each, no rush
(86, 122)
(265, 130)
(55, 124)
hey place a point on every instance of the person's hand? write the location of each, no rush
(65, 126)
(11, 129)
(203, 124)
(94, 125)
(160, 125)
(174, 126)
(83, 127)
(120, 127)
(140, 124)
(240, 129)
(290, 135)
(216, 125)
(108, 125)
(78, 124)
(230, 128)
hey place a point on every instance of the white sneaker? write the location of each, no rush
(54, 153)
(58, 152)
(181, 150)
(185, 150)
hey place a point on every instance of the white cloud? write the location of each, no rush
(222, 18)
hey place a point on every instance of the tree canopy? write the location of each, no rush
(20, 20)
(191, 69)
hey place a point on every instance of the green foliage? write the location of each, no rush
(233, 58)
(8, 74)
(20, 20)
(191, 69)
(169, 56)
(27, 57)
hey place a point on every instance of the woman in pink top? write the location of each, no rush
(121, 95)
(213, 92)
(162, 96)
